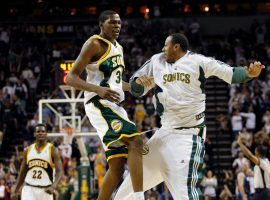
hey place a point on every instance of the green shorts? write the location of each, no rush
(112, 124)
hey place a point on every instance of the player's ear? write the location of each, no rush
(177, 47)
(100, 25)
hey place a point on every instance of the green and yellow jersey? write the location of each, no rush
(40, 166)
(108, 70)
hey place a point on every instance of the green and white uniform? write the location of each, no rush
(40, 173)
(110, 119)
(174, 154)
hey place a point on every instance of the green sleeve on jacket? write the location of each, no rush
(240, 75)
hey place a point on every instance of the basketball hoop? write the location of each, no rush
(68, 137)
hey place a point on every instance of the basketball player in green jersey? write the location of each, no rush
(102, 57)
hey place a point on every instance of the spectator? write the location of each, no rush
(237, 124)
(260, 34)
(13, 78)
(261, 137)
(12, 166)
(100, 166)
(32, 123)
(139, 114)
(239, 162)
(4, 190)
(266, 120)
(261, 170)
(209, 184)
(64, 189)
(247, 137)
(244, 185)
(74, 182)
(152, 194)
(8, 90)
(228, 185)
(20, 90)
(2, 171)
(33, 82)
(251, 119)
(66, 152)
(223, 122)
(20, 106)
(27, 73)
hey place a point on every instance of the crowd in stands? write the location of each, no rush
(27, 60)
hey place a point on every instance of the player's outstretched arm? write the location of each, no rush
(58, 171)
(231, 75)
(21, 177)
(244, 74)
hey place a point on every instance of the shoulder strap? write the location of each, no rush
(28, 149)
(51, 155)
(108, 49)
(262, 173)
(100, 38)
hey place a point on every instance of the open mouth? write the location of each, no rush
(116, 31)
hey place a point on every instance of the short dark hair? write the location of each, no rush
(40, 125)
(179, 38)
(262, 150)
(106, 15)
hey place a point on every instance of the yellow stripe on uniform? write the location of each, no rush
(116, 156)
(27, 152)
(50, 153)
(107, 51)
(105, 54)
(122, 136)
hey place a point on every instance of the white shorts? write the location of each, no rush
(112, 124)
(35, 193)
(173, 156)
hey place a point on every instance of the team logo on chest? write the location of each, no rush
(116, 125)
(168, 78)
(117, 61)
(38, 163)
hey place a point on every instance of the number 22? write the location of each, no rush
(37, 174)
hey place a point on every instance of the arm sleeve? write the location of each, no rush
(212, 67)
(239, 75)
(146, 69)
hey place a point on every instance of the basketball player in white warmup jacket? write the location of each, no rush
(175, 153)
